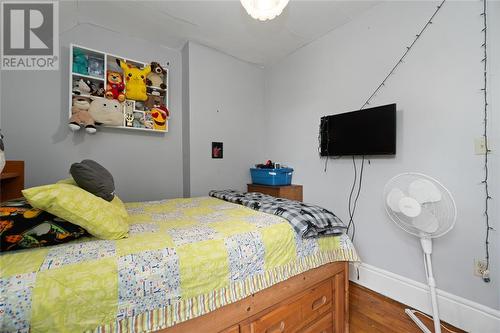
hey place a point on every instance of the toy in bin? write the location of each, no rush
(271, 174)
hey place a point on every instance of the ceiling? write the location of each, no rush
(222, 25)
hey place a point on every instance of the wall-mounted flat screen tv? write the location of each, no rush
(367, 132)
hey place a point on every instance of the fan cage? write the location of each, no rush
(444, 210)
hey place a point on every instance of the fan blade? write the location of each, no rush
(393, 199)
(426, 222)
(424, 191)
(409, 207)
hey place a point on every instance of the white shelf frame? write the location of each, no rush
(106, 54)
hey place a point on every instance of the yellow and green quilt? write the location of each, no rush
(184, 258)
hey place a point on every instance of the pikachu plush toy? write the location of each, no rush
(135, 81)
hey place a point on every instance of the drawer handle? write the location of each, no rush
(319, 302)
(278, 328)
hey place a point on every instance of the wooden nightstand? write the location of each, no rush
(12, 180)
(292, 192)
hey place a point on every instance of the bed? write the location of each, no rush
(188, 265)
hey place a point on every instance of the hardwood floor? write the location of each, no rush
(371, 312)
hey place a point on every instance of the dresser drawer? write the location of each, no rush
(322, 325)
(232, 329)
(286, 318)
(316, 301)
(269, 190)
(310, 307)
(292, 192)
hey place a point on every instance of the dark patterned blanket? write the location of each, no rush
(307, 220)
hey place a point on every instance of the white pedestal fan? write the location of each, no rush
(423, 207)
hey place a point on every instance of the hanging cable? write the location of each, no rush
(352, 210)
(349, 203)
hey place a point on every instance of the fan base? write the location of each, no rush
(420, 324)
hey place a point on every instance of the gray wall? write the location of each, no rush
(439, 102)
(226, 103)
(438, 94)
(34, 115)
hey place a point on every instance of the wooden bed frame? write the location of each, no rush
(316, 301)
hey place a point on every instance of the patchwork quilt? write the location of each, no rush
(307, 220)
(184, 258)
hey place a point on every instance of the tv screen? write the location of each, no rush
(366, 132)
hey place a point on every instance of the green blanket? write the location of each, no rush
(184, 258)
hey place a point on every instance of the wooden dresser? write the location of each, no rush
(12, 180)
(315, 301)
(292, 192)
(310, 311)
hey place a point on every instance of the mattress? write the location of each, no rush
(183, 258)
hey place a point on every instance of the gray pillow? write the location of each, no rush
(94, 178)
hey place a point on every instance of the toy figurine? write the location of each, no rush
(129, 119)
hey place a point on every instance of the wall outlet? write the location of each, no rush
(479, 267)
(479, 146)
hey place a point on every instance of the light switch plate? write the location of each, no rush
(479, 146)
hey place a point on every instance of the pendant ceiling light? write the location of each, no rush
(264, 9)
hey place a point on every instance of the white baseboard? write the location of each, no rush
(460, 312)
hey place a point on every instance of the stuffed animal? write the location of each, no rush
(80, 116)
(80, 62)
(138, 120)
(135, 81)
(87, 87)
(155, 91)
(157, 76)
(99, 91)
(148, 120)
(153, 100)
(106, 111)
(160, 116)
(82, 87)
(115, 86)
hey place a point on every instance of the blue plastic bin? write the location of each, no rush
(281, 176)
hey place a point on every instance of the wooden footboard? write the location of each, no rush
(312, 302)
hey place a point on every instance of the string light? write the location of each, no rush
(401, 60)
(487, 196)
(368, 102)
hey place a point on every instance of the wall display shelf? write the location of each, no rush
(107, 90)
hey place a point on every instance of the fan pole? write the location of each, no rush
(432, 287)
(427, 247)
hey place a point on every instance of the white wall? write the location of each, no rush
(226, 104)
(437, 91)
(34, 116)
